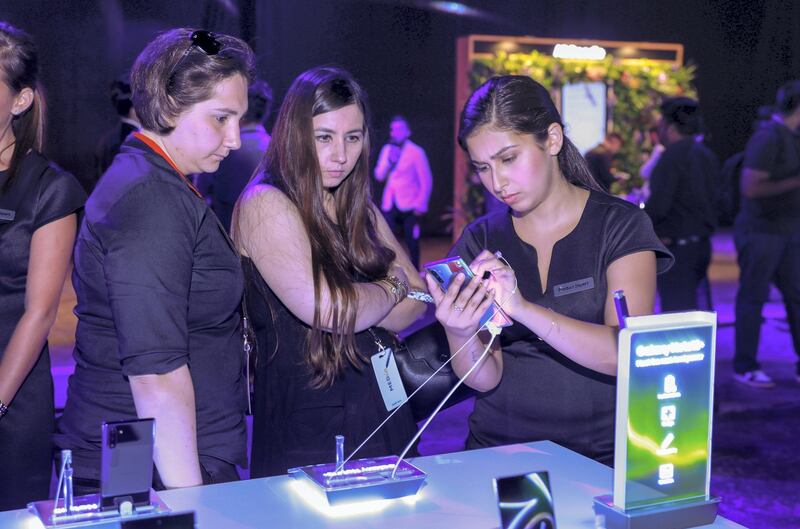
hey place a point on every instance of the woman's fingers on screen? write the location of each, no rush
(453, 289)
(467, 292)
(478, 295)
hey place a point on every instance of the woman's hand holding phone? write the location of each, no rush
(502, 281)
(459, 309)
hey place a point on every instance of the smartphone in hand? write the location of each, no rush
(445, 270)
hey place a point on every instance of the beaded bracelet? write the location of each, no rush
(3, 408)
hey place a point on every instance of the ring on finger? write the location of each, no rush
(457, 308)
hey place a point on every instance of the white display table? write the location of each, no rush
(458, 493)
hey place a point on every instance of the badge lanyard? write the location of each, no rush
(387, 375)
(159, 151)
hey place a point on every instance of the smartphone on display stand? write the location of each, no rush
(126, 462)
(445, 270)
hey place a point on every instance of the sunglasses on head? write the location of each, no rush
(201, 39)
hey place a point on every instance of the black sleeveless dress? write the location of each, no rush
(294, 424)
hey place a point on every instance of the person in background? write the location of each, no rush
(681, 203)
(655, 153)
(566, 246)
(404, 166)
(326, 276)
(225, 185)
(158, 282)
(128, 123)
(38, 220)
(601, 157)
(767, 232)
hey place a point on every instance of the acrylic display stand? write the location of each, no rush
(366, 479)
(87, 511)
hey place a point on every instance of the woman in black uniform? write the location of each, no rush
(569, 246)
(327, 273)
(38, 204)
(159, 285)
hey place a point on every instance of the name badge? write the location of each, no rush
(388, 377)
(7, 215)
(573, 287)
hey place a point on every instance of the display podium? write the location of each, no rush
(665, 394)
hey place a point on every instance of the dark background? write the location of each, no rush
(404, 54)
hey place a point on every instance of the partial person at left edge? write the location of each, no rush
(39, 203)
(158, 282)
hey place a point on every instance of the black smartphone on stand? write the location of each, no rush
(126, 462)
(445, 270)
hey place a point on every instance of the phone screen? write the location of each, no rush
(525, 501)
(445, 270)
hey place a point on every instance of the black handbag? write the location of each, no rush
(418, 356)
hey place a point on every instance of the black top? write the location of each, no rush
(294, 424)
(158, 286)
(41, 193)
(774, 149)
(682, 192)
(543, 394)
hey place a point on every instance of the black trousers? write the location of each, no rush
(26, 440)
(764, 258)
(405, 224)
(678, 287)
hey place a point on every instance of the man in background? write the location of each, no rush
(767, 232)
(601, 157)
(225, 185)
(128, 122)
(404, 166)
(681, 203)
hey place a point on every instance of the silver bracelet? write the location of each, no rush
(3, 408)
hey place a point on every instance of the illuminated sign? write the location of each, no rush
(572, 51)
(664, 400)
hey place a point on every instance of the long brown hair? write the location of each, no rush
(19, 66)
(342, 251)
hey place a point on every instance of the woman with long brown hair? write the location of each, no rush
(38, 221)
(327, 274)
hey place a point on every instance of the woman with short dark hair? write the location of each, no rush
(158, 282)
(38, 221)
(328, 276)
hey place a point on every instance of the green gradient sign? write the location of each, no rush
(664, 401)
